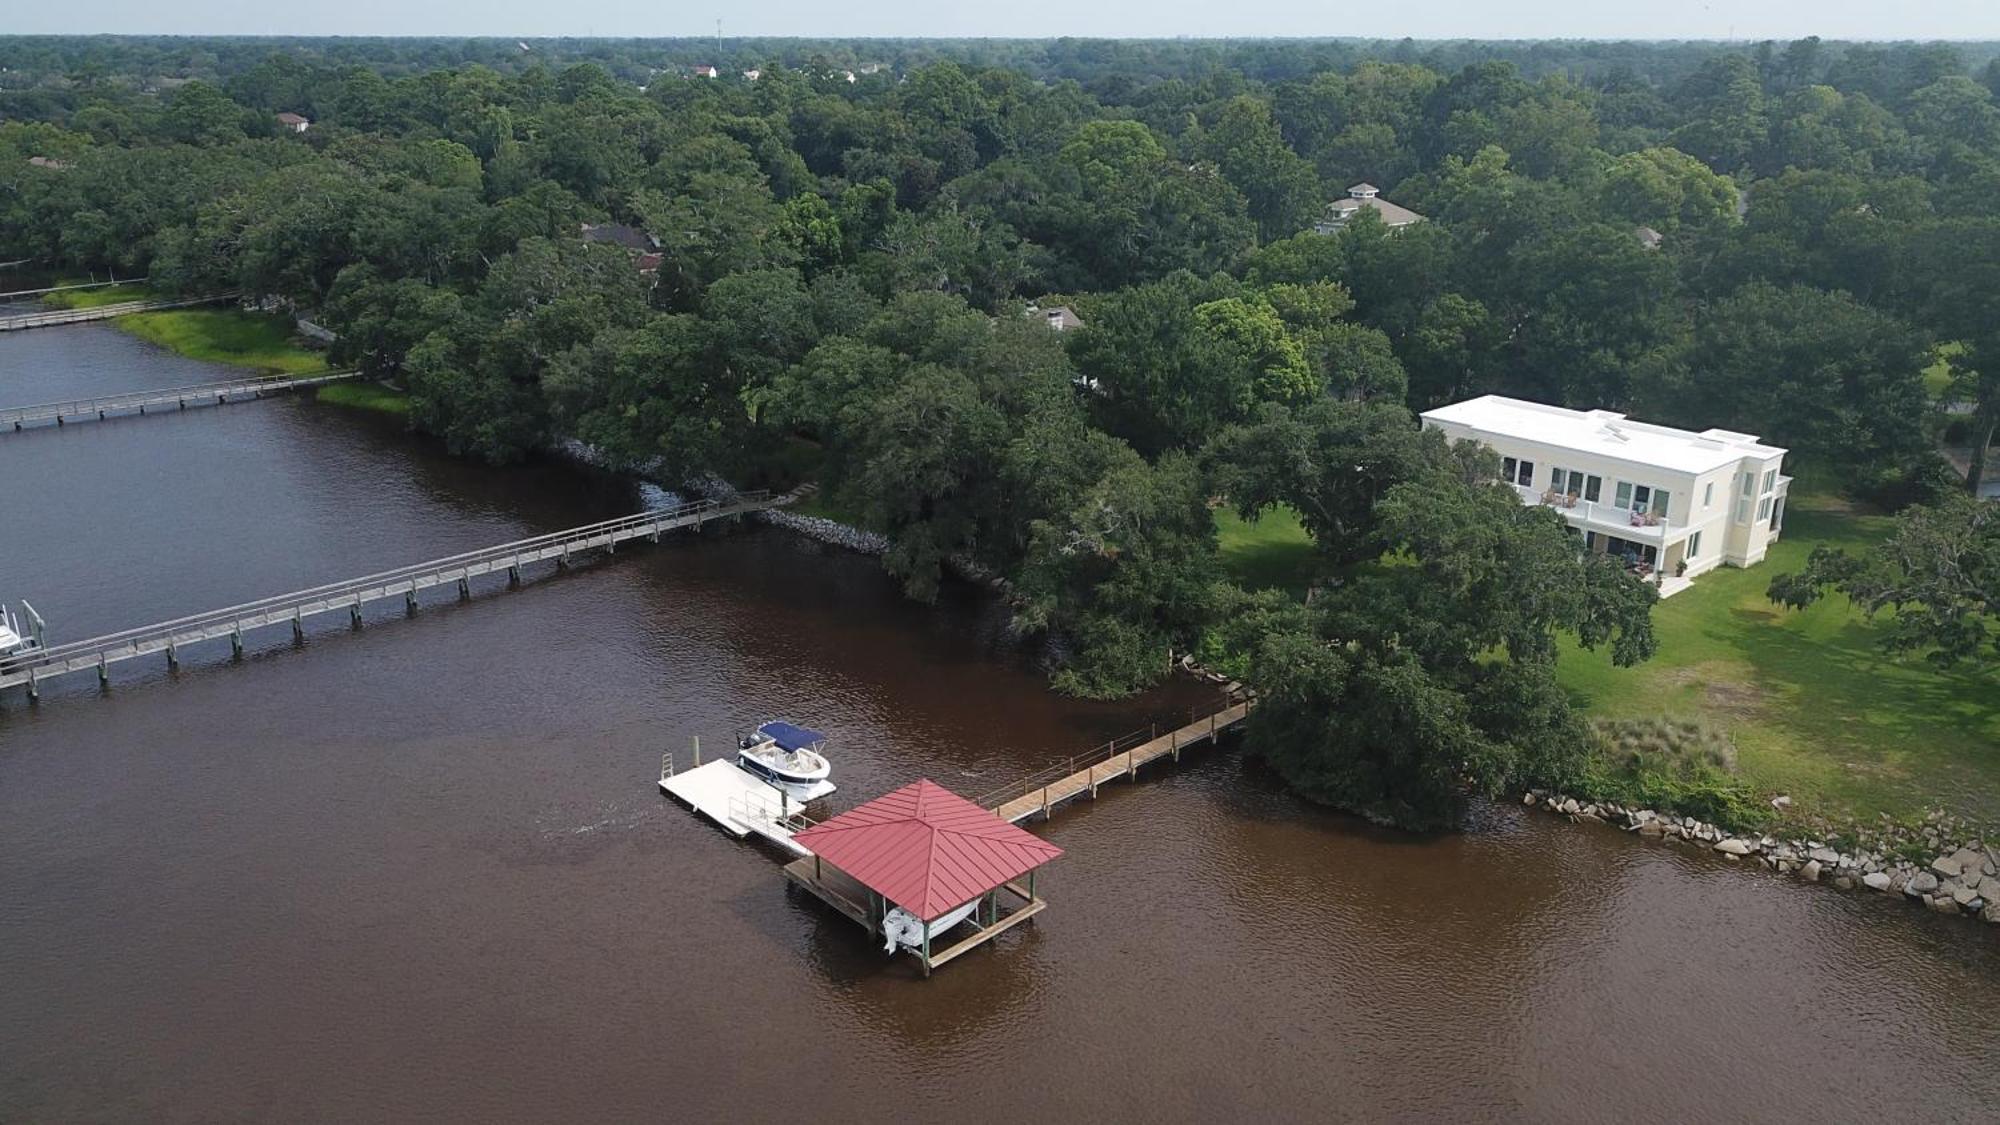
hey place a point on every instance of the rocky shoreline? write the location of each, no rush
(1961, 875)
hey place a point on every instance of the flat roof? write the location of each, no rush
(1604, 433)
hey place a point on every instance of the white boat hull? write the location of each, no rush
(900, 928)
(801, 776)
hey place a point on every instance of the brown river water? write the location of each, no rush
(422, 871)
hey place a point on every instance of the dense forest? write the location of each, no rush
(836, 260)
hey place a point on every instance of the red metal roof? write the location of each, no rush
(927, 849)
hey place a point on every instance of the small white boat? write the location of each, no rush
(13, 641)
(900, 928)
(790, 757)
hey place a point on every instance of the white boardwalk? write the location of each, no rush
(738, 800)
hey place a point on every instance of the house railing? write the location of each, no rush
(1623, 520)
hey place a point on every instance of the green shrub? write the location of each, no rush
(1672, 766)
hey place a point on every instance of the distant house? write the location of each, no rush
(618, 234)
(293, 123)
(704, 72)
(1649, 238)
(1364, 197)
(872, 68)
(753, 74)
(48, 162)
(644, 248)
(1061, 318)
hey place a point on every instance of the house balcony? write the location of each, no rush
(1596, 515)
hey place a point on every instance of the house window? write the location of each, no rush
(1623, 499)
(1764, 508)
(1659, 507)
(1694, 544)
(1708, 496)
(1517, 472)
(1571, 482)
(1742, 509)
(1778, 515)
(1748, 482)
(1770, 480)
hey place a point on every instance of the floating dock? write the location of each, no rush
(738, 800)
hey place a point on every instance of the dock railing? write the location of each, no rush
(353, 594)
(199, 394)
(51, 317)
(1074, 764)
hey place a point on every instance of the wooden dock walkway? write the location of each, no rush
(52, 317)
(32, 667)
(173, 398)
(1121, 757)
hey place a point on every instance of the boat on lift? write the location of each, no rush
(902, 929)
(791, 758)
(15, 640)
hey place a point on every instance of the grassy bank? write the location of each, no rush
(1807, 699)
(97, 298)
(1273, 552)
(1814, 708)
(241, 339)
(822, 506)
(365, 396)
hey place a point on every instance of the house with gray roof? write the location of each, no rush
(1360, 197)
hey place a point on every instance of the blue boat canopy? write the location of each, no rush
(789, 737)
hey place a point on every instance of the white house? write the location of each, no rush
(1673, 502)
(293, 123)
(1364, 197)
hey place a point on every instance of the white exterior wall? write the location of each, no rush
(1722, 539)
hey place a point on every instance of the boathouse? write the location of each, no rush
(913, 865)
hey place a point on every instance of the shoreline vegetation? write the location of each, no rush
(263, 342)
(1809, 707)
(1038, 338)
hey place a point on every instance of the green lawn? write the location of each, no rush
(1937, 377)
(362, 395)
(1816, 710)
(1273, 552)
(1814, 707)
(231, 336)
(95, 298)
(823, 506)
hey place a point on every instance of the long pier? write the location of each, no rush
(52, 317)
(64, 288)
(1083, 774)
(203, 394)
(170, 637)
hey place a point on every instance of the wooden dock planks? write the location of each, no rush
(1124, 764)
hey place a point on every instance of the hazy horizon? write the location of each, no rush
(1968, 20)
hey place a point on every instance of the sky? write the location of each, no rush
(1430, 19)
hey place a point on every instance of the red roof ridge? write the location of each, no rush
(965, 850)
